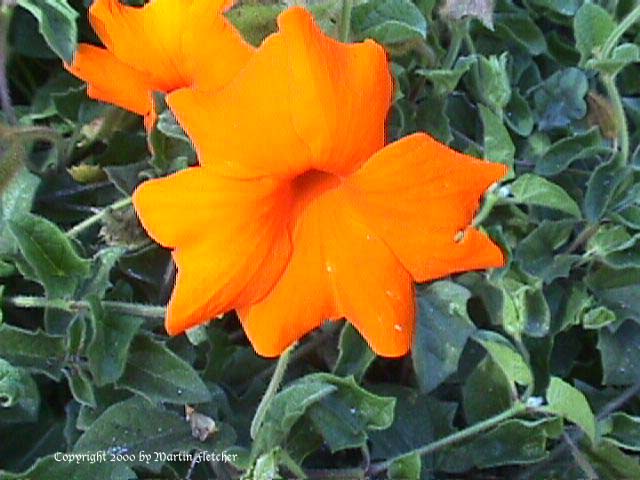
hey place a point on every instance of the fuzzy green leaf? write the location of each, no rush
(442, 330)
(57, 24)
(388, 21)
(568, 402)
(50, 253)
(158, 374)
(534, 190)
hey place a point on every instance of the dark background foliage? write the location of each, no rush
(527, 372)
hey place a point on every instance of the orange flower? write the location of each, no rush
(163, 46)
(298, 213)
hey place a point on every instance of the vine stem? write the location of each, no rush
(137, 309)
(272, 389)
(93, 219)
(459, 436)
(344, 28)
(616, 34)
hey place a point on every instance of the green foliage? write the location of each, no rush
(525, 372)
(56, 23)
(388, 21)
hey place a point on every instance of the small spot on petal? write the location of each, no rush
(459, 236)
(398, 327)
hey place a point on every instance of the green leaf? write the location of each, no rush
(444, 80)
(50, 253)
(569, 402)
(559, 100)
(567, 150)
(518, 115)
(506, 356)
(98, 282)
(81, 386)
(19, 395)
(512, 442)
(18, 189)
(620, 354)
(344, 417)
(109, 346)
(57, 24)
(138, 429)
(531, 189)
(285, 410)
(592, 26)
(158, 374)
(48, 468)
(498, 146)
(533, 310)
(408, 430)
(597, 318)
(388, 21)
(494, 86)
(563, 7)
(623, 430)
(442, 329)
(617, 289)
(354, 356)
(521, 29)
(536, 252)
(611, 463)
(35, 351)
(406, 468)
(486, 392)
(621, 56)
(600, 189)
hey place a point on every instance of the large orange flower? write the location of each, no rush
(298, 213)
(162, 46)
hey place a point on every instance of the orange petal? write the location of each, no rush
(176, 42)
(338, 268)
(213, 51)
(110, 80)
(340, 93)
(231, 240)
(147, 37)
(420, 196)
(298, 104)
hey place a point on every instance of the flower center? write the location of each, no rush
(310, 185)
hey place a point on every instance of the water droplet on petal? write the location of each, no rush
(398, 327)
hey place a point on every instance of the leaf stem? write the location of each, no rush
(272, 389)
(344, 27)
(616, 33)
(459, 436)
(137, 309)
(88, 222)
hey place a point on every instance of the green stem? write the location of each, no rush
(272, 389)
(88, 222)
(609, 82)
(344, 28)
(616, 33)
(459, 436)
(137, 309)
